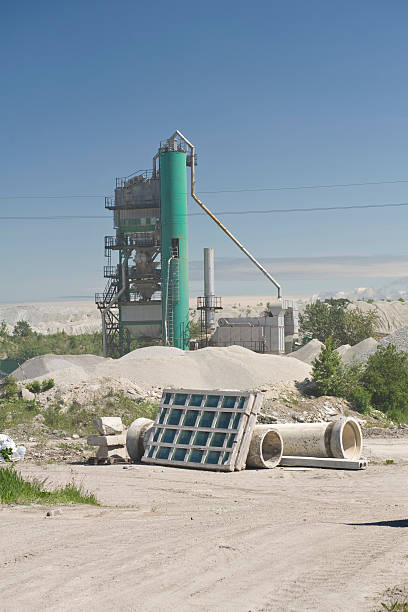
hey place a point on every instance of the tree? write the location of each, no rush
(386, 378)
(359, 325)
(327, 370)
(3, 329)
(22, 329)
(333, 318)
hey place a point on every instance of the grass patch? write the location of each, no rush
(15, 490)
(79, 419)
(15, 410)
(396, 606)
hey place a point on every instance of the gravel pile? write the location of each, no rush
(399, 338)
(359, 353)
(150, 368)
(343, 349)
(309, 352)
(391, 315)
(75, 317)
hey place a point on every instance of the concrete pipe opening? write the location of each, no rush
(265, 450)
(135, 443)
(346, 439)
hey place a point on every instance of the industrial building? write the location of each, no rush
(274, 333)
(146, 296)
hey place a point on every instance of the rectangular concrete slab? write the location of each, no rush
(318, 462)
(98, 440)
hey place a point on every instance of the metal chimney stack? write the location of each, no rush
(209, 290)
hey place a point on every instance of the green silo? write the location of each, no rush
(174, 247)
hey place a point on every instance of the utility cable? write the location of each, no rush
(226, 212)
(249, 189)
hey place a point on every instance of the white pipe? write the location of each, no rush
(217, 221)
(154, 164)
(266, 448)
(339, 439)
(113, 301)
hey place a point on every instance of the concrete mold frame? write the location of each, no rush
(210, 430)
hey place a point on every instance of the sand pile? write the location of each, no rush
(155, 367)
(309, 352)
(45, 365)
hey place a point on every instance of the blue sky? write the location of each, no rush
(271, 93)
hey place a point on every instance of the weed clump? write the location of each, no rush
(14, 489)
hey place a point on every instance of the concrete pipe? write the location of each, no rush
(340, 439)
(265, 449)
(134, 438)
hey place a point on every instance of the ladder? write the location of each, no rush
(173, 296)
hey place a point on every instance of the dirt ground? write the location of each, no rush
(174, 539)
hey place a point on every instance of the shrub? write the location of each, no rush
(34, 386)
(23, 329)
(361, 399)
(327, 370)
(9, 387)
(386, 378)
(47, 384)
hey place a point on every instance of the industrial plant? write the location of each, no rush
(147, 294)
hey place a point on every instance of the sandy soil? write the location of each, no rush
(173, 539)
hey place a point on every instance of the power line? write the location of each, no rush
(300, 187)
(47, 197)
(312, 209)
(54, 217)
(250, 189)
(227, 212)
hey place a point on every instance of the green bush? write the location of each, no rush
(327, 370)
(47, 384)
(15, 410)
(382, 384)
(9, 387)
(361, 399)
(386, 378)
(34, 386)
(22, 329)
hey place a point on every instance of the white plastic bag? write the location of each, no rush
(18, 452)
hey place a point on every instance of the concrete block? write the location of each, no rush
(108, 426)
(105, 452)
(96, 440)
(26, 394)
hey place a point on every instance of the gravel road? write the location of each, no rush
(174, 539)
